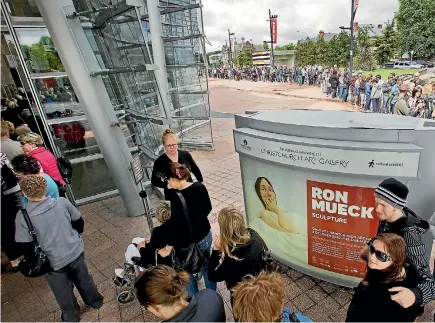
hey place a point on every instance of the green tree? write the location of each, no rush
(332, 56)
(364, 58)
(416, 27)
(321, 50)
(266, 46)
(289, 46)
(244, 58)
(343, 48)
(37, 57)
(386, 44)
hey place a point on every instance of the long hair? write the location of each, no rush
(233, 231)
(395, 246)
(258, 188)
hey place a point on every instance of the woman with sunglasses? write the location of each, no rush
(386, 273)
(172, 155)
(162, 291)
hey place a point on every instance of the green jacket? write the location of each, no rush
(401, 107)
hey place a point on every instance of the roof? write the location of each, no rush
(374, 30)
(326, 37)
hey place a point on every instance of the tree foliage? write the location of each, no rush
(289, 46)
(243, 58)
(266, 46)
(364, 57)
(386, 44)
(416, 27)
(42, 58)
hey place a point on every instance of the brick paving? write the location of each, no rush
(108, 231)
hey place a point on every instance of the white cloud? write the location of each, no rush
(247, 18)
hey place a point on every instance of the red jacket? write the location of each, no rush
(48, 163)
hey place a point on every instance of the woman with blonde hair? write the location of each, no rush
(237, 252)
(162, 291)
(172, 154)
(32, 145)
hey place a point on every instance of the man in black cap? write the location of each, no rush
(395, 217)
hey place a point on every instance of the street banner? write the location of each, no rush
(274, 30)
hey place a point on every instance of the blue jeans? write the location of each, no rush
(375, 105)
(386, 103)
(340, 91)
(344, 93)
(192, 287)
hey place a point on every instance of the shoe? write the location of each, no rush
(96, 307)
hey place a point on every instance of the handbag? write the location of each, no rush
(37, 264)
(190, 259)
(269, 264)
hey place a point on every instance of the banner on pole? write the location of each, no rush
(274, 30)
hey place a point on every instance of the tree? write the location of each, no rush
(416, 27)
(364, 59)
(332, 56)
(289, 46)
(321, 50)
(386, 44)
(343, 48)
(266, 46)
(244, 58)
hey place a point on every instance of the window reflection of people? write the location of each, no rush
(272, 214)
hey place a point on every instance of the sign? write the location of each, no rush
(341, 219)
(339, 160)
(136, 168)
(274, 26)
(316, 222)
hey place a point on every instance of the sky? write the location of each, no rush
(248, 18)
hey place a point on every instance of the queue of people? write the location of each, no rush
(397, 283)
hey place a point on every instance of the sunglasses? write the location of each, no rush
(22, 143)
(381, 256)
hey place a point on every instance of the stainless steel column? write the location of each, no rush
(78, 59)
(156, 34)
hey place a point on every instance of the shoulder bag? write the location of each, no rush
(269, 264)
(190, 259)
(37, 264)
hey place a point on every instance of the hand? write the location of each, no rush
(404, 297)
(141, 244)
(164, 252)
(271, 206)
(217, 243)
(147, 240)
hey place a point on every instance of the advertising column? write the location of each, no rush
(310, 203)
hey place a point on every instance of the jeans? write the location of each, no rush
(62, 282)
(340, 91)
(334, 92)
(192, 287)
(386, 103)
(368, 102)
(375, 102)
(344, 93)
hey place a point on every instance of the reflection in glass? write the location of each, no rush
(39, 51)
(90, 178)
(23, 8)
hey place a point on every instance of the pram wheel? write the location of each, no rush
(126, 297)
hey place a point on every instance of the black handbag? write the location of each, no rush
(269, 264)
(190, 259)
(37, 264)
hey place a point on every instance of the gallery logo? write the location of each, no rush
(245, 146)
(372, 164)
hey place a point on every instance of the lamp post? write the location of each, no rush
(230, 55)
(354, 7)
(272, 58)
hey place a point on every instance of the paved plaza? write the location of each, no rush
(108, 231)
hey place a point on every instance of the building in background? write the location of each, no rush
(282, 58)
(104, 80)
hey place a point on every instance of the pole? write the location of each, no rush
(272, 58)
(352, 17)
(229, 53)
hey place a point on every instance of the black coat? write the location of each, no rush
(204, 306)
(184, 158)
(334, 81)
(233, 271)
(160, 238)
(374, 303)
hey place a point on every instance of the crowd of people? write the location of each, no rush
(370, 93)
(396, 284)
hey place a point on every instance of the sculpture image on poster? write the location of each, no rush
(311, 236)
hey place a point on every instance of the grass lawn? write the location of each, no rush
(385, 72)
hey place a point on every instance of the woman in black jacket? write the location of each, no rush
(198, 208)
(386, 273)
(172, 154)
(162, 291)
(334, 81)
(238, 252)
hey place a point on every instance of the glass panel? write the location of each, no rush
(23, 8)
(90, 178)
(39, 51)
